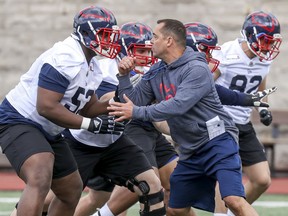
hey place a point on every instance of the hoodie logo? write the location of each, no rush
(167, 91)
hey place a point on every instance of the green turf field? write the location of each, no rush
(267, 205)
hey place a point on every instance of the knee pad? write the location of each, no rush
(142, 185)
(151, 199)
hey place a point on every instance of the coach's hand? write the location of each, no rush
(103, 124)
(126, 65)
(265, 117)
(122, 110)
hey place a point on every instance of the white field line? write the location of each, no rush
(9, 200)
(271, 204)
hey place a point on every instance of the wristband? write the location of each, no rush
(85, 123)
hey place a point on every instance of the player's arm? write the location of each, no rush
(107, 96)
(162, 127)
(48, 105)
(51, 89)
(230, 97)
(95, 107)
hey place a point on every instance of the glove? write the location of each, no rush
(265, 117)
(256, 98)
(103, 125)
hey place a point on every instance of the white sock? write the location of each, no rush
(104, 211)
(219, 214)
(229, 213)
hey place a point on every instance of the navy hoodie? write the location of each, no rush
(186, 96)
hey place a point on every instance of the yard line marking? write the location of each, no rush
(9, 200)
(5, 213)
(271, 204)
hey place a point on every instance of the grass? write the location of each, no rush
(267, 205)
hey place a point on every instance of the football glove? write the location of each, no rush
(256, 98)
(265, 117)
(103, 124)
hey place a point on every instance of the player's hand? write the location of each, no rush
(256, 98)
(265, 117)
(103, 124)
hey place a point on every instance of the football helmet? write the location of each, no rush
(262, 32)
(202, 38)
(96, 28)
(135, 42)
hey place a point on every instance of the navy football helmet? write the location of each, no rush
(202, 38)
(96, 28)
(262, 32)
(135, 40)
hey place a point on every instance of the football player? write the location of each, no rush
(244, 66)
(98, 146)
(56, 93)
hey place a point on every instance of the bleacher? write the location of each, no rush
(273, 135)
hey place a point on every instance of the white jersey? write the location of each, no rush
(239, 73)
(67, 65)
(109, 69)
